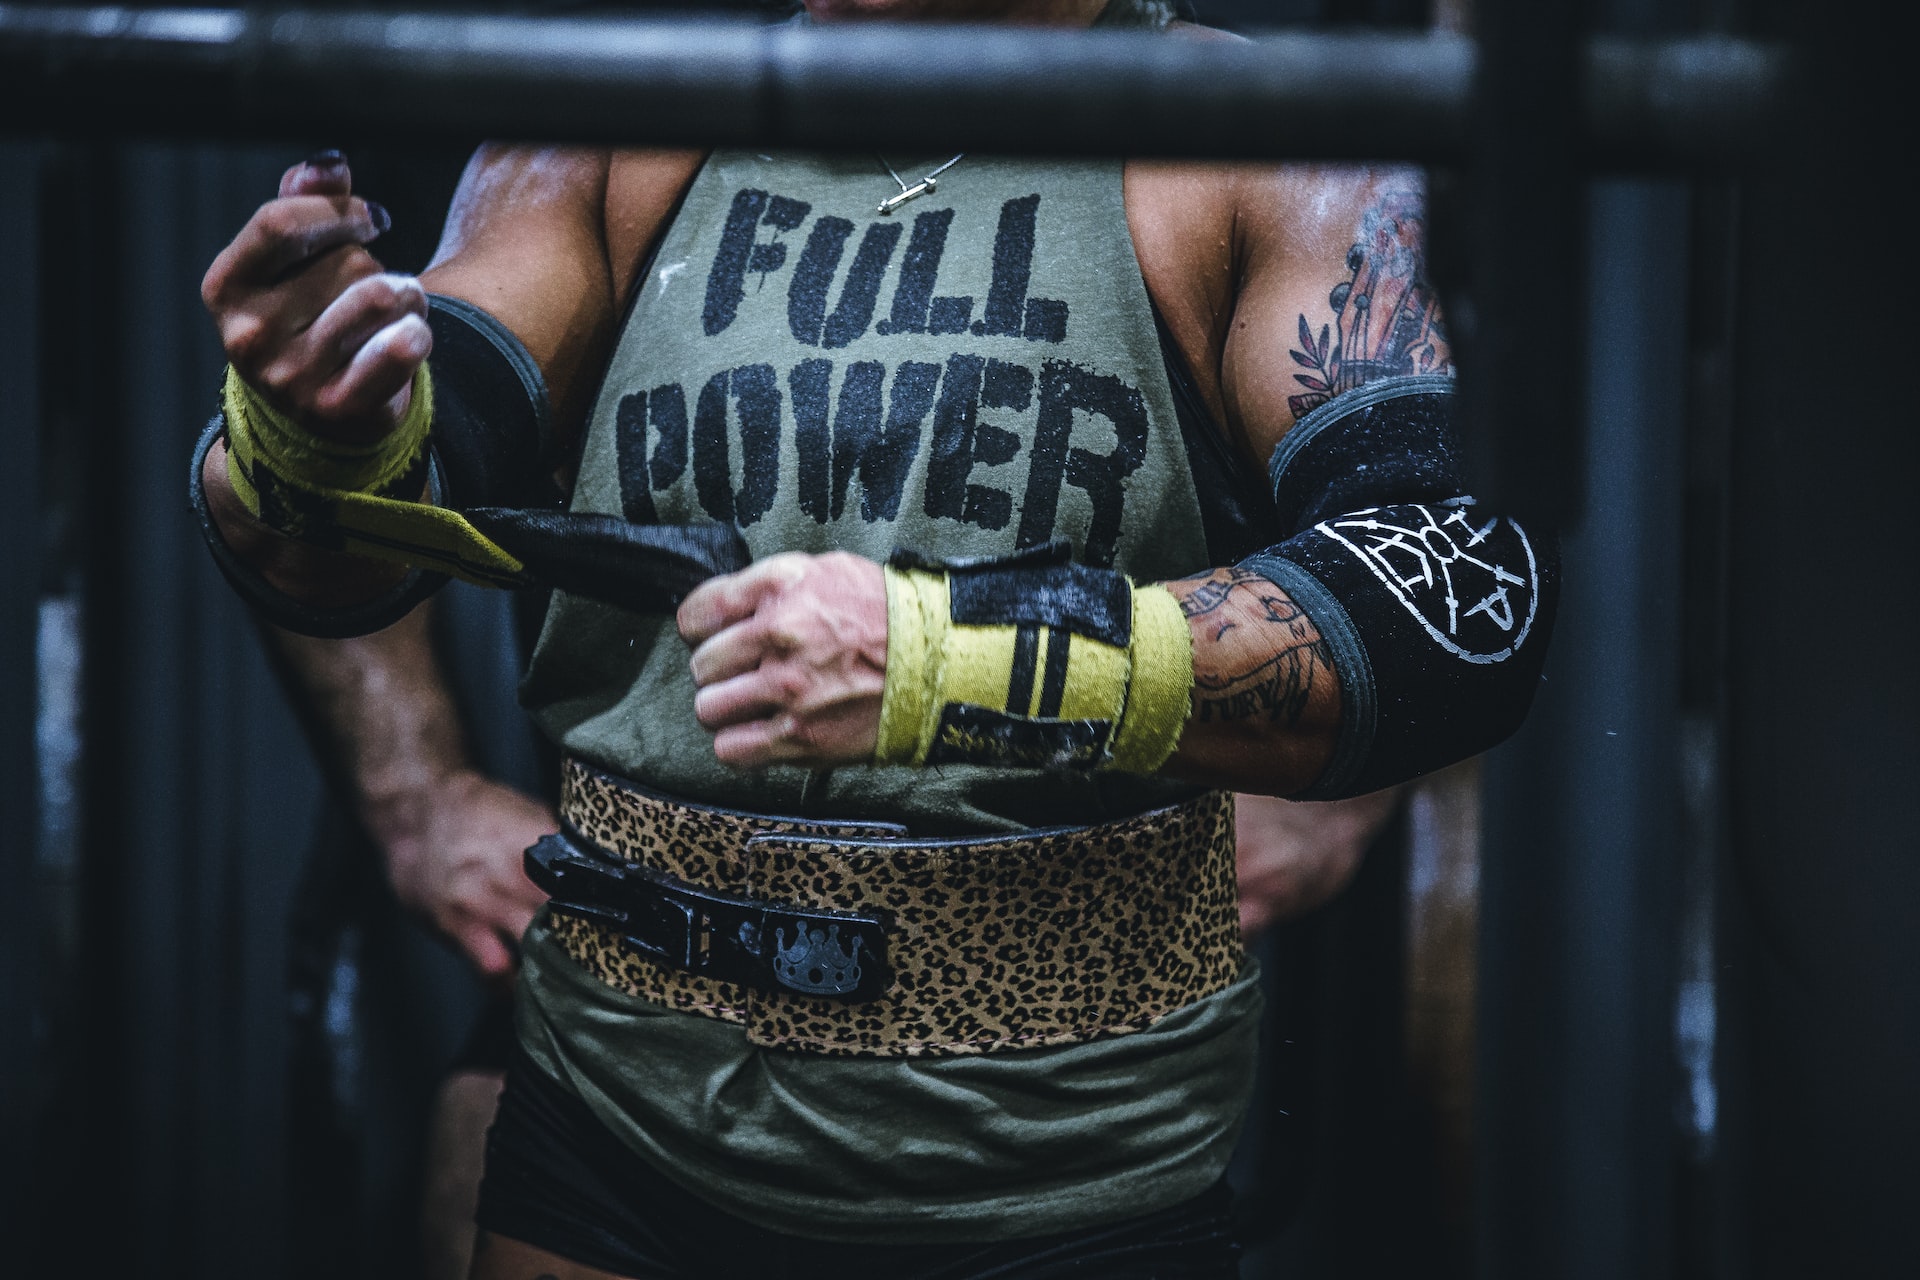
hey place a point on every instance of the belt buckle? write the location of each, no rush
(822, 962)
(832, 955)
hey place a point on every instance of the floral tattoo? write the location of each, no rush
(1386, 316)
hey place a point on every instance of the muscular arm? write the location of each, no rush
(1298, 285)
(549, 241)
(385, 728)
(302, 304)
(1330, 293)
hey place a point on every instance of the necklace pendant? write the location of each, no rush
(914, 192)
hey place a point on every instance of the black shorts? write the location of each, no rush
(559, 1180)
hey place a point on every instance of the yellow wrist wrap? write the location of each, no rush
(343, 497)
(1028, 694)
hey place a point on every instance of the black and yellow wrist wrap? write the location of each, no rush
(355, 498)
(1032, 662)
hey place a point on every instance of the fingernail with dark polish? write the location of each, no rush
(378, 215)
(328, 159)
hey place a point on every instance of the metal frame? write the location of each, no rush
(20, 534)
(214, 73)
(1521, 117)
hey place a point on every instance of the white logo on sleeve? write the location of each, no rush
(1473, 586)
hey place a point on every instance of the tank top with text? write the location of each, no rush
(976, 373)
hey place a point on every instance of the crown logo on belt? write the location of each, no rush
(816, 963)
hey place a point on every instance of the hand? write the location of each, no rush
(1295, 857)
(461, 867)
(309, 318)
(790, 659)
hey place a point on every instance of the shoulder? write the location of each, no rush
(1288, 213)
(1181, 217)
(1332, 293)
(620, 200)
(644, 187)
(549, 240)
(1226, 247)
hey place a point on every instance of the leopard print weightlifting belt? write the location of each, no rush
(855, 939)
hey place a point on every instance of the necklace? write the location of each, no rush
(918, 189)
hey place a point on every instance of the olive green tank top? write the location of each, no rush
(975, 373)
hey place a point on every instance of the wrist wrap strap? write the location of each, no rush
(1032, 662)
(352, 498)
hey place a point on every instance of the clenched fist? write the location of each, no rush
(309, 318)
(790, 658)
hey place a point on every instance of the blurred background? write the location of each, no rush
(1670, 1031)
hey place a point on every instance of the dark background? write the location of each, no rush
(1699, 1025)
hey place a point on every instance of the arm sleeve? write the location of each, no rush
(1435, 611)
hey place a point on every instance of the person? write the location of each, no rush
(388, 725)
(902, 652)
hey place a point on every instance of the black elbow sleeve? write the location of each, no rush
(490, 413)
(1435, 612)
(489, 431)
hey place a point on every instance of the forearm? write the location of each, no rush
(385, 727)
(382, 722)
(1266, 699)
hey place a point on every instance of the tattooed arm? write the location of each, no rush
(1295, 286)
(1266, 701)
(1330, 292)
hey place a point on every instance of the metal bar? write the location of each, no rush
(20, 1032)
(1520, 374)
(1821, 972)
(222, 73)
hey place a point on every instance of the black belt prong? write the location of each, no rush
(770, 946)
